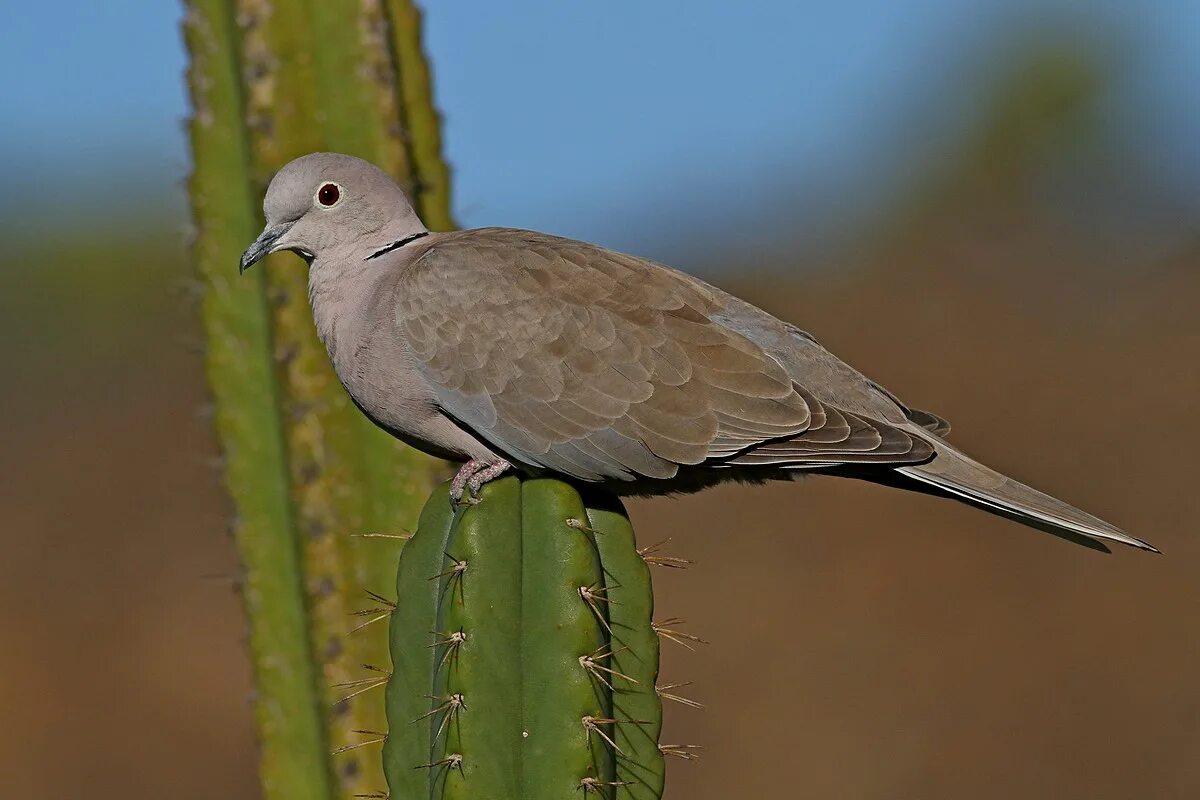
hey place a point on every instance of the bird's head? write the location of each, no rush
(323, 202)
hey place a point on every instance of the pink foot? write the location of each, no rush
(459, 483)
(490, 472)
(471, 477)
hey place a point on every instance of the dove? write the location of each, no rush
(507, 349)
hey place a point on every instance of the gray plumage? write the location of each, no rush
(499, 345)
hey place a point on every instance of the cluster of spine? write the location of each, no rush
(271, 80)
(524, 658)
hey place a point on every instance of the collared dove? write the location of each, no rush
(508, 349)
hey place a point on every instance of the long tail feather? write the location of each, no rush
(958, 476)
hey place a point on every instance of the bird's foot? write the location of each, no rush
(459, 483)
(489, 472)
(472, 476)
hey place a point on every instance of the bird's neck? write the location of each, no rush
(404, 227)
(343, 281)
(338, 288)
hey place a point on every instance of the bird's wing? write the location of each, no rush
(929, 421)
(926, 419)
(600, 365)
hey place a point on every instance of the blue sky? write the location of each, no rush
(612, 120)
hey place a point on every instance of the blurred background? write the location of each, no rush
(972, 202)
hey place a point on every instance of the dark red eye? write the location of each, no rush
(328, 194)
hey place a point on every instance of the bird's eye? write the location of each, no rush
(329, 194)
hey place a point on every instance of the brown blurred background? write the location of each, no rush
(1034, 277)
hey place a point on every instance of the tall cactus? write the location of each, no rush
(271, 80)
(524, 657)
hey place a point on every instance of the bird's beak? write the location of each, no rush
(267, 242)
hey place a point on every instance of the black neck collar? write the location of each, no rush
(396, 245)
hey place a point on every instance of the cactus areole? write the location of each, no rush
(523, 656)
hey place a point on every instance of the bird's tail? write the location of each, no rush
(957, 475)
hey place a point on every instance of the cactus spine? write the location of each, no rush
(271, 80)
(524, 659)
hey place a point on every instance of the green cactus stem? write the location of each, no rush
(271, 80)
(524, 660)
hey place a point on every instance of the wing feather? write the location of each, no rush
(604, 366)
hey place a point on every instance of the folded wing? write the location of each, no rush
(599, 365)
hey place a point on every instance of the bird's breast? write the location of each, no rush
(356, 323)
(378, 371)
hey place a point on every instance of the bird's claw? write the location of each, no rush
(471, 477)
(459, 482)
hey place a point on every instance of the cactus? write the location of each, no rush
(524, 660)
(271, 80)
